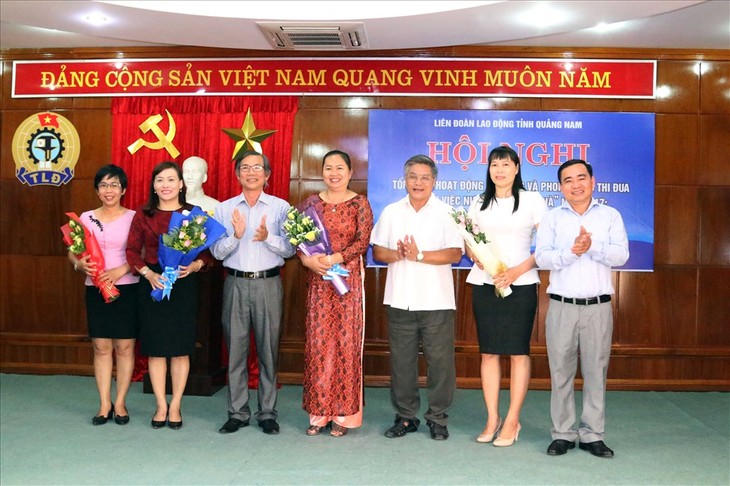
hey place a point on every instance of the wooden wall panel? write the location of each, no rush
(32, 217)
(676, 213)
(325, 130)
(6, 72)
(83, 195)
(93, 103)
(465, 323)
(95, 133)
(543, 301)
(294, 281)
(41, 295)
(674, 135)
(670, 327)
(715, 85)
(713, 317)
(715, 226)
(657, 309)
(376, 324)
(47, 355)
(679, 372)
(714, 160)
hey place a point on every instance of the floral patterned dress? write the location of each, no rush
(335, 324)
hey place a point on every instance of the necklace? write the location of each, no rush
(333, 203)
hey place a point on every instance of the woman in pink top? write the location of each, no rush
(112, 326)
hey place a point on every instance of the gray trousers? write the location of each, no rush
(434, 330)
(252, 304)
(570, 329)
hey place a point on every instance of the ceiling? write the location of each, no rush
(233, 24)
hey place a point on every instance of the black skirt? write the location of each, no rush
(504, 326)
(115, 320)
(168, 328)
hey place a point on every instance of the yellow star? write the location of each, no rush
(247, 137)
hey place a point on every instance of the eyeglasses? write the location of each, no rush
(251, 168)
(110, 185)
(416, 178)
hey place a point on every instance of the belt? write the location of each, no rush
(589, 301)
(272, 272)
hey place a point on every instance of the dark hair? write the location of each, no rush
(490, 193)
(150, 206)
(424, 160)
(110, 170)
(267, 165)
(572, 162)
(342, 154)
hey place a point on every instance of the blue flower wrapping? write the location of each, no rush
(170, 259)
(337, 274)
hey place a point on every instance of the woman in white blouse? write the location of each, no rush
(508, 215)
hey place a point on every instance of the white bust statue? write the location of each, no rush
(195, 173)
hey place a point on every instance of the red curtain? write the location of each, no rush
(199, 124)
(198, 130)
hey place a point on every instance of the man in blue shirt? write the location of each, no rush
(579, 242)
(252, 251)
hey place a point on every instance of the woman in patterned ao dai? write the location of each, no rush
(335, 324)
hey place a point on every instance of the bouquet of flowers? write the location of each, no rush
(479, 245)
(188, 235)
(306, 231)
(81, 242)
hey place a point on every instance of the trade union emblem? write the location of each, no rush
(45, 149)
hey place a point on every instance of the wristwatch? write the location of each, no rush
(419, 257)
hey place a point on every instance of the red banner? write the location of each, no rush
(569, 78)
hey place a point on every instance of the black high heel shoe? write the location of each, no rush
(174, 425)
(158, 424)
(121, 419)
(102, 419)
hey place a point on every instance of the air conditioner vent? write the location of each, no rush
(314, 35)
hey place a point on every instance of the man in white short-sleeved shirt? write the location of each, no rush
(415, 238)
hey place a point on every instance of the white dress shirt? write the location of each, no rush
(418, 286)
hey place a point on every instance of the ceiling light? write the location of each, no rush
(604, 27)
(96, 19)
(542, 16)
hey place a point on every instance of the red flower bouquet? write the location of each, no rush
(81, 242)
